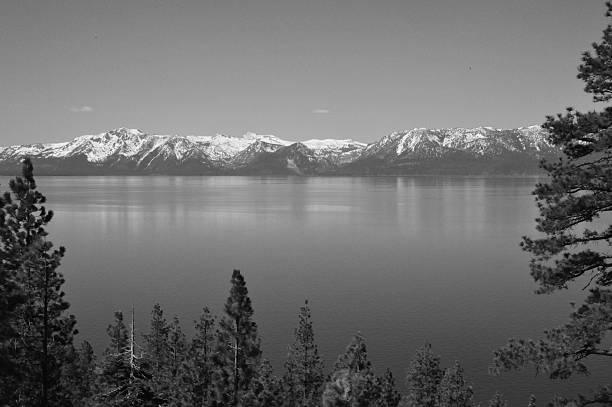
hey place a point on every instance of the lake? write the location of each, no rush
(403, 260)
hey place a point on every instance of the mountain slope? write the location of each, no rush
(455, 151)
(131, 151)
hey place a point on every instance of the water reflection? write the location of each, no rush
(402, 259)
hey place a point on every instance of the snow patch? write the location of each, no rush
(332, 144)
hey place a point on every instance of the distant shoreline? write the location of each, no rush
(526, 175)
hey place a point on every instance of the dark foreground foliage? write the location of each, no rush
(36, 332)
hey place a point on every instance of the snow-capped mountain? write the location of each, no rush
(481, 141)
(124, 150)
(337, 151)
(456, 151)
(137, 145)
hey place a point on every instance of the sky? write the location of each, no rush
(298, 69)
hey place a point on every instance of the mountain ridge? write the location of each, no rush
(484, 150)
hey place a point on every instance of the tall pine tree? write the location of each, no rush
(389, 396)
(200, 365)
(423, 378)
(304, 368)
(238, 345)
(577, 244)
(157, 351)
(44, 330)
(175, 373)
(12, 297)
(453, 391)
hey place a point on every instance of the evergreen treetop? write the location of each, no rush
(423, 378)
(304, 367)
(238, 348)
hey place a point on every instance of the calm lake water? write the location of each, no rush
(403, 260)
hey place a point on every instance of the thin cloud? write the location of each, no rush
(320, 111)
(81, 109)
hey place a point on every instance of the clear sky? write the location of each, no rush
(298, 69)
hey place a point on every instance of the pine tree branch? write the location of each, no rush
(593, 277)
(595, 162)
(599, 352)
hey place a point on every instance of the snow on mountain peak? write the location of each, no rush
(266, 138)
(333, 144)
(127, 131)
(153, 152)
(479, 140)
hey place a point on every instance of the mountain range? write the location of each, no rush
(123, 151)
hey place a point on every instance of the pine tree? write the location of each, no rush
(238, 345)
(157, 350)
(116, 371)
(355, 358)
(389, 396)
(353, 382)
(118, 334)
(175, 373)
(304, 368)
(156, 341)
(338, 390)
(265, 389)
(44, 331)
(200, 364)
(80, 376)
(576, 247)
(11, 297)
(453, 391)
(124, 382)
(177, 346)
(423, 378)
